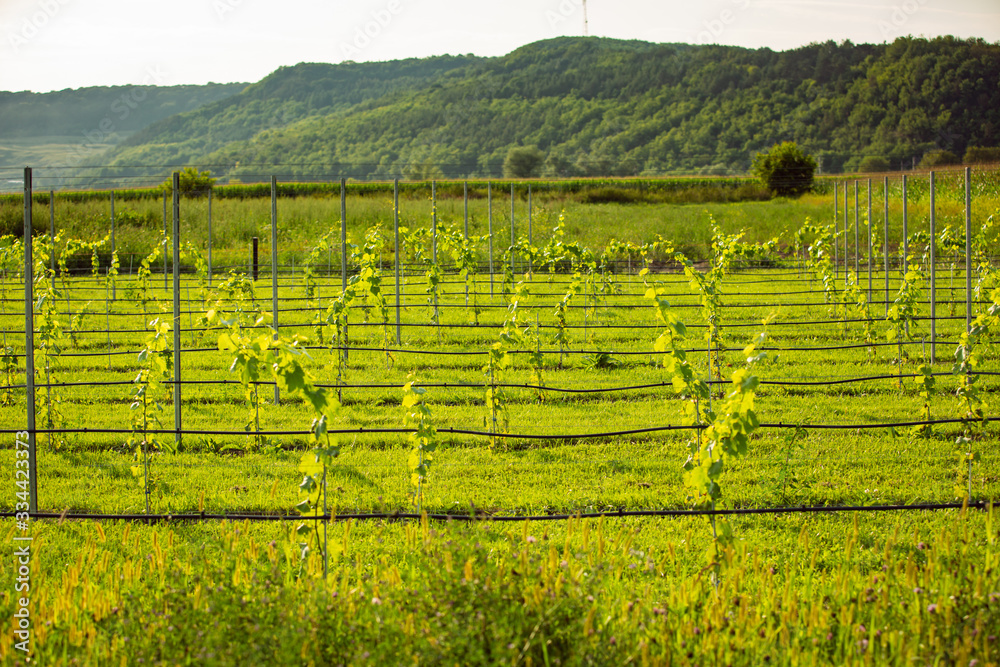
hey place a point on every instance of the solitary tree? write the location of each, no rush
(193, 183)
(523, 162)
(785, 169)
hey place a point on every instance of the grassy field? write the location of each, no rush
(894, 587)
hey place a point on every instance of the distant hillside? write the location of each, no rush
(120, 109)
(593, 107)
(284, 97)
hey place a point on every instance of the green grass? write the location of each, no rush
(814, 589)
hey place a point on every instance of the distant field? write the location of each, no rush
(42, 152)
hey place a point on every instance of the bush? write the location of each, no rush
(193, 183)
(785, 169)
(874, 164)
(523, 162)
(939, 158)
(981, 155)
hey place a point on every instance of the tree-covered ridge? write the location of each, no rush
(598, 107)
(285, 96)
(119, 110)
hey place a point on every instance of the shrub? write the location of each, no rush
(874, 164)
(523, 162)
(939, 158)
(785, 169)
(193, 183)
(981, 155)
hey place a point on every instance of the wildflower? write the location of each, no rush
(532, 539)
(376, 601)
(931, 608)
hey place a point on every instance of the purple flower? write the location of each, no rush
(931, 608)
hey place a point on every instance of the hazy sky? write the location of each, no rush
(55, 44)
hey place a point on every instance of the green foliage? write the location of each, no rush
(873, 164)
(787, 479)
(424, 439)
(523, 162)
(83, 112)
(193, 183)
(902, 313)
(939, 158)
(981, 155)
(156, 369)
(968, 358)
(785, 169)
(595, 107)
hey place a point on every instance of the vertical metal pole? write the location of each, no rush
(395, 216)
(857, 235)
(274, 269)
(466, 228)
(885, 246)
(512, 242)
(466, 237)
(114, 288)
(933, 243)
(489, 204)
(209, 235)
(434, 242)
(845, 232)
(177, 308)
(836, 219)
(343, 249)
(29, 345)
(166, 277)
(968, 248)
(531, 268)
(343, 235)
(869, 241)
(906, 240)
(254, 265)
(52, 236)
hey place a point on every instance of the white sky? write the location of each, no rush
(55, 44)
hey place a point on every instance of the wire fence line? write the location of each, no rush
(775, 274)
(502, 518)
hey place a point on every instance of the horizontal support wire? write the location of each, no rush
(496, 517)
(475, 353)
(512, 436)
(470, 385)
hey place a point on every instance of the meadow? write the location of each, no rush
(574, 386)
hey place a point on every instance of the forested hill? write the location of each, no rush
(282, 98)
(101, 114)
(594, 107)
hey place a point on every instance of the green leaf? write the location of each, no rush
(226, 343)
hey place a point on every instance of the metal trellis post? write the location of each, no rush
(177, 308)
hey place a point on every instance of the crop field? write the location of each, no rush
(710, 441)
